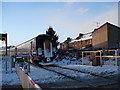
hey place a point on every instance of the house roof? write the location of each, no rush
(84, 37)
(107, 23)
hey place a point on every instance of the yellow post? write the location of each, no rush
(82, 59)
(100, 59)
(116, 57)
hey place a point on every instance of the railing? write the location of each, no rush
(116, 62)
(101, 55)
(26, 81)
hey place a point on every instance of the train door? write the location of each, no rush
(47, 49)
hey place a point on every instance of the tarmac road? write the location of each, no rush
(90, 83)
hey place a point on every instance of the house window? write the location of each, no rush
(86, 42)
(81, 42)
(90, 41)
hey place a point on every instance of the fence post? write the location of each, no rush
(100, 59)
(116, 51)
(82, 59)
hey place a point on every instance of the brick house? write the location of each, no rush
(84, 40)
(106, 36)
(65, 44)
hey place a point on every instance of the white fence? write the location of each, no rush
(26, 81)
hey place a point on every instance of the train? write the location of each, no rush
(42, 48)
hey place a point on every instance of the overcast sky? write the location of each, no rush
(25, 20)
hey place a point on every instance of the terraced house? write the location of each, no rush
(106, 36)
(65, 44)
(82, 41)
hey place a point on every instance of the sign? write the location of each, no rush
(3, 37)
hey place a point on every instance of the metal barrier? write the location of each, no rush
(26, 81)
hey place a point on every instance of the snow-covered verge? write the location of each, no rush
(66, 60)
(10, 78)
(105, 70)
(108, 68)
(74, 60)
(44, 76)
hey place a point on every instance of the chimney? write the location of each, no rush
(80, 35)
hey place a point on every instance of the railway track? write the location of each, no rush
(81, 71)
(62, 71)
(55, 71)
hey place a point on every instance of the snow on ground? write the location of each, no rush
(40, 75)
(10, 79)
(71, 61)
(44, 76)
(73, 73)
(109, 67)
(105, 70)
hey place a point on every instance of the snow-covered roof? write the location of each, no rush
(84, 37)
